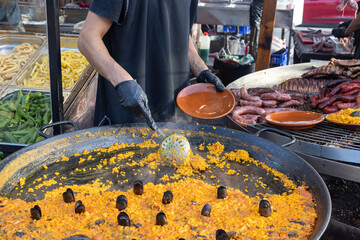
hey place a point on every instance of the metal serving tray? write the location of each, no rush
(12, 89)
(66, 43)
(8, 42)
(6, 147)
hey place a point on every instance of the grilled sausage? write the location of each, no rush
(297, 95)
(334, 83)
(243, 103)
(269, 103)
(330, 109)
(348, 98)
(301, 100)
(248, 109)
(246, 119)
(346, 105)
(314, 98)
(350, 87)
(352, 92)
(321, 100)
(276, 96)
(259, 91)
(246, 96)
(291, 103)
(236, 93)
(329, 102)
(336, 89)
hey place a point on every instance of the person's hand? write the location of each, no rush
(351, 3)
(338, 32)
(207, 77)
(134, 98)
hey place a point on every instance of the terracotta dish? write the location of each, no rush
(295, 120)
(343, 125)
(202, 101)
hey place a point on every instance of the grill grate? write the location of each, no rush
(326, 134)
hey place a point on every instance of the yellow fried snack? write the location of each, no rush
(73, 63)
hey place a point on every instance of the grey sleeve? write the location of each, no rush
(110, 9)
(193, 12)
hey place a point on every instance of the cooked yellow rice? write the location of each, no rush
(238, 213)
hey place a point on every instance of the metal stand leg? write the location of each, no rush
(53, 34)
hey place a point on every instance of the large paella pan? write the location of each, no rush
(83, 158)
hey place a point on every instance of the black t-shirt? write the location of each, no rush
(149, 39)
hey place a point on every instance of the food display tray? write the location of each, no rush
(9, 148)
(11, 89)
(9, 41)
(66, 43)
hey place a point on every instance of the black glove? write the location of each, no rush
(338, 32)
(134, 98)
(207, 77)
(344, 24)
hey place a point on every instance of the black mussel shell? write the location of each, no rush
(161, 219)
(79, 207)
(167, 198)
(221, 192)
(221, 235)
(206, 210)
(77, 237)
(35, 212)
(138, 187)
(68, 196)
(123, 219)
(264, 208)
(355, 113)
(121, 202)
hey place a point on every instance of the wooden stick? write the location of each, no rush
(266, 34)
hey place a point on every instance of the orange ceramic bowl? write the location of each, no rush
(202, 101)
(295, 119)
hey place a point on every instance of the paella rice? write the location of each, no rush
(344, 116)
(293, 212)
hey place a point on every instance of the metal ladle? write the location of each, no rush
(174, 148)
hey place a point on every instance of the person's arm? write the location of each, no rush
(91, 45)
(197, 65)
(354, 25)
(200, 70)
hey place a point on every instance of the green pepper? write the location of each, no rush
(7, 114)
(18, 98)
(35, 95)
(24, 139)
(39, 138)
(23, 126)
(47, 116)
(21, 132)
(5, 123)
(32, 137)
(9, 138)
(24, 115)
(12, 106)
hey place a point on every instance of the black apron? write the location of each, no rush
(150, 41)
